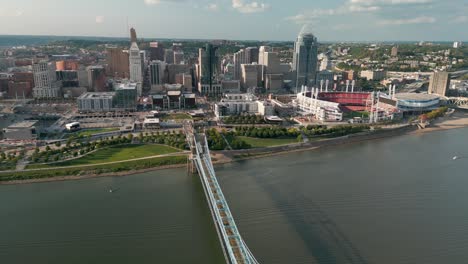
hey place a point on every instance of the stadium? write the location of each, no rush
(349, 102)
(414, 102)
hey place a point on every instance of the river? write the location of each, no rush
(395, 200)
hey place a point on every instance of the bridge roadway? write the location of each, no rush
(234, 248)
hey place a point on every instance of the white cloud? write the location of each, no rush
(99, 19)
(252, 7)
(416, 20)
(388, 2)
(10, 13)
(350, 7)
(212, 7)
(155, 2)
(460, 19)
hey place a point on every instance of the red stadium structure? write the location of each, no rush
(348, 101)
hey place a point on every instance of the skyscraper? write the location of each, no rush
(305, 58)
(135, 60)
(208, 70)
(117, 63)
(244, 56)
(157, 69)
(45, 80)
(209, 64)
(261, 54)
(440, 82)
(156, 51)
(97, 79)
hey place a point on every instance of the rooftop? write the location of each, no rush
(416, 96)
(23, 124)
(94, 95)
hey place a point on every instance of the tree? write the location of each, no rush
(300, 138)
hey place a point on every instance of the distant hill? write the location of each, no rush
(10, 40)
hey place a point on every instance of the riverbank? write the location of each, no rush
(455, 121)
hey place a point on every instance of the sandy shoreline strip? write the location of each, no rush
(456, 121)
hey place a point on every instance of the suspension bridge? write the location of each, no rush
(234, 248)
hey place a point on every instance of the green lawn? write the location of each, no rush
(351, 115)
(113, 154)
(268, 142)
(90, 132)
(177, 116)
(97, 169)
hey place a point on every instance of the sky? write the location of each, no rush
(330, 20)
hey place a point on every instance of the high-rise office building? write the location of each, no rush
(244, 56)
(209, 64)
(97, 79)
(208, 70)
(169, 56)
(305, 58)
(157, 69)
(135, 59)
(439, 83)
(261, 54)
(251, 75)
(45, 80)
(118, 63)
(156, 51)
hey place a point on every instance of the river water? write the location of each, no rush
(395, 200)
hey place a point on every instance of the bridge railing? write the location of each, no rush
(235, 248)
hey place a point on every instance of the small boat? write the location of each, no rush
(455, 158)
(111, 191)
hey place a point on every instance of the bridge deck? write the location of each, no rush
(234, 247)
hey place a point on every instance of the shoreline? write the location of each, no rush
(456, 121)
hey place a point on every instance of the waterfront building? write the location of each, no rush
(439, 83)
(25, 130)
(457, 44)
(126, 96)
(322, 110)
(305, 58)
(235, 104)
(417, 103)
(96, 102)
(174, 100)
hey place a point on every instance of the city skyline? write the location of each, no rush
(335, 20)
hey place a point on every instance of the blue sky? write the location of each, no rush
(352, 20)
